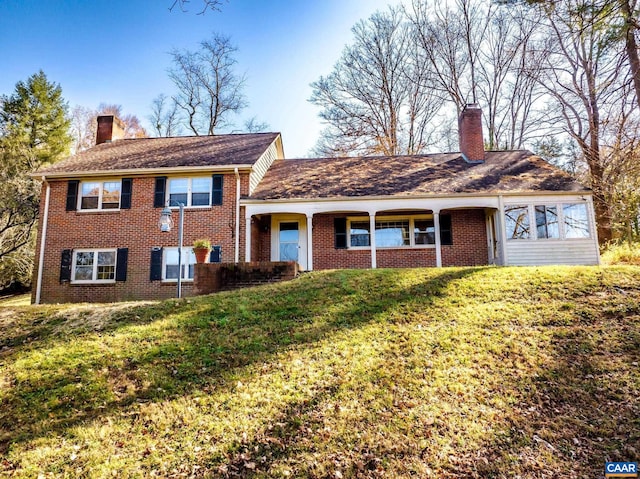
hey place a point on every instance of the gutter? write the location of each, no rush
(237, 225)
(43, 240)
(140, 171)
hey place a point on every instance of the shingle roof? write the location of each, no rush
(445, 173)
(186, 151)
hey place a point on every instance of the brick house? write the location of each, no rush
(99, 238)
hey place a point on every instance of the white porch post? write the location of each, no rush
(502, 232)
(372, 241)
(436, 223)
(309, 241)
(247, 235)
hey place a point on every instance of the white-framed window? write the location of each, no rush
(100, 195)
(552, 221)
(189, 191)
(94, 266)
(392, 232)
(170, 264)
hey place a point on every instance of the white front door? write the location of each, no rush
(289, 239)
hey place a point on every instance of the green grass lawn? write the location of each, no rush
(447, 373)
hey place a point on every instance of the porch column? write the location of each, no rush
(309, 241)
(247, 235)
(372, 239)
(436, 223)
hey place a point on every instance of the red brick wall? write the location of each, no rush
(135, 229)
(469, 246)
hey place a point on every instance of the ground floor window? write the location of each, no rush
(396, 232)
(170, 269)
(94, 266)
(555, 221)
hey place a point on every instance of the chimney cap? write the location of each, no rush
(471, 106)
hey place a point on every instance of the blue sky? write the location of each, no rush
(117, 51)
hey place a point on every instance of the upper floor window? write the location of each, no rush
(190, 191)
(97, 195)
(100, 195)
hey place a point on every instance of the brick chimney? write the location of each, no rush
(470, 131)
(110, 128)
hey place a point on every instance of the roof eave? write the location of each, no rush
(140, 171)
(250, 201)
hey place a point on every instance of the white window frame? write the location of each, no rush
(533, 228)
(411, 218)
(187, 255)
(94, 274)
(101, 182)
(189, 202)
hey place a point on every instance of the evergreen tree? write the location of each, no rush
(34, 131)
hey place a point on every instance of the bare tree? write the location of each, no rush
(479, 52)
(581, 74)
(253, 125)
(214, 5)
(132, 126)
(83, 128)
(164, 116)
(375, 101)
(209, 90)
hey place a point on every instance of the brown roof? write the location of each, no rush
(445, 173)
(185, 151)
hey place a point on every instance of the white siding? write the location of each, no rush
(261, 166)
(541, 252)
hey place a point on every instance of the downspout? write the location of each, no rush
(43, 240)
(236, 256)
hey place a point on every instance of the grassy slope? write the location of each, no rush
(529, 372)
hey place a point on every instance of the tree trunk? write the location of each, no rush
(631, 46)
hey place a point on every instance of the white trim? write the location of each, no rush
(436, 224)
(559, 205)
(372, 239)
(94, 273)
(410, 218)
(310, 242)
(236, 245)
(247, 239)
(100, 182)
(43, 239)
(178, 170)
(303, 240)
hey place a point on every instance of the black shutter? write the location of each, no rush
(72, 195)
(65, 265)
(446, 234)
(216, 189)
(158, 197)
(125, 195)
(121, 264)
(216, 254)
(340, 229)
(156, 264)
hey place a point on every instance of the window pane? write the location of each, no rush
(547, 221)
(576, 221)
(200, 199)
(517, 222)
(84, 266)
(392, 233)
(179, 185)
(111, 194)
(171, 271)
(90, 192)
(201, 185)
(106, 258)
(89, 203)
(424, 232)
(359, 233)
(106, 272)
(176, 199)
